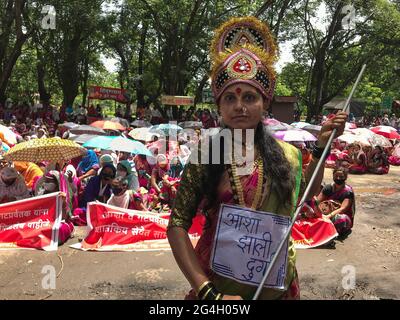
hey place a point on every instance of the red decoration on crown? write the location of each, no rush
(242, 66)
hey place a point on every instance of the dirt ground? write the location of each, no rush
(372, 251)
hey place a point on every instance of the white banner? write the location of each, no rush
(245, 243)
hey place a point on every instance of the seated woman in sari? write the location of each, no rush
(312, 229)
(337, 202)
(377, 161)
(394, 158)
(143, 169)
(358, 159)
(163, 186)
(75, 183)
(176, 168)
(124, 169)
(98, 188)
(88, 166)
(123, 197)
(12, 186)
(30, 171)
(55, 181)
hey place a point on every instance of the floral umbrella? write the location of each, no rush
(378, 140)
(354, 138)
(386, 131)
(49, 149)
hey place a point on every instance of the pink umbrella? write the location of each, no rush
(386, 131)
(295, 135)
(276, 125)
(271, 122)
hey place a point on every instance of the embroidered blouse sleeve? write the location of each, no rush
(189, 196)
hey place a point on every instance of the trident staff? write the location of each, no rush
(307, 191)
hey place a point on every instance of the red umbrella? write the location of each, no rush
(386, 131)
(108, 125)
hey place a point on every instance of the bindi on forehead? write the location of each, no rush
(238, 91)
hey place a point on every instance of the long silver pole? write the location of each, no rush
(321, 162)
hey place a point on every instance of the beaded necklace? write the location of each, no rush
(237, 188)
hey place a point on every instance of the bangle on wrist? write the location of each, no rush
(208, 292)
(202, 286)
(317, 151)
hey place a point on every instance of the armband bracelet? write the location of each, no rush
(208, 292)
(317, 152)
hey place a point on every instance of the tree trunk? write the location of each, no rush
(70, 72)
(13, 14)
(139, 83)
(84, 82)
(44, 95)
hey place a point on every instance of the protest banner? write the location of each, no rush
(313, 232)
(116, 229)
(254, 236)
(31, 223)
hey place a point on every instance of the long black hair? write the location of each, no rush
(276, 167)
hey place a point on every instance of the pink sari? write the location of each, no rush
(205, 244)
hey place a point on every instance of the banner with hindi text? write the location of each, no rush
(31, 223)
(116, 229)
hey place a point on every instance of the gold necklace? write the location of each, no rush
(239, 188)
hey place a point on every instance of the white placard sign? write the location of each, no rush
(245, 243)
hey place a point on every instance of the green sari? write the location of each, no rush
(189, 198)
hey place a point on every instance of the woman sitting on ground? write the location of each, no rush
(338, 197)
(123, 197)
(358, 159)
(377, 161)
(54, 181)
(88, 166)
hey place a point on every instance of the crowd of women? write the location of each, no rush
(121, 179)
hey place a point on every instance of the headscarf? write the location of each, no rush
(127, 165)
(9, 173)
(30, 171)
(175, 169)
(161, 171)
(106, 158)
(63, 186)
(88, 161)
